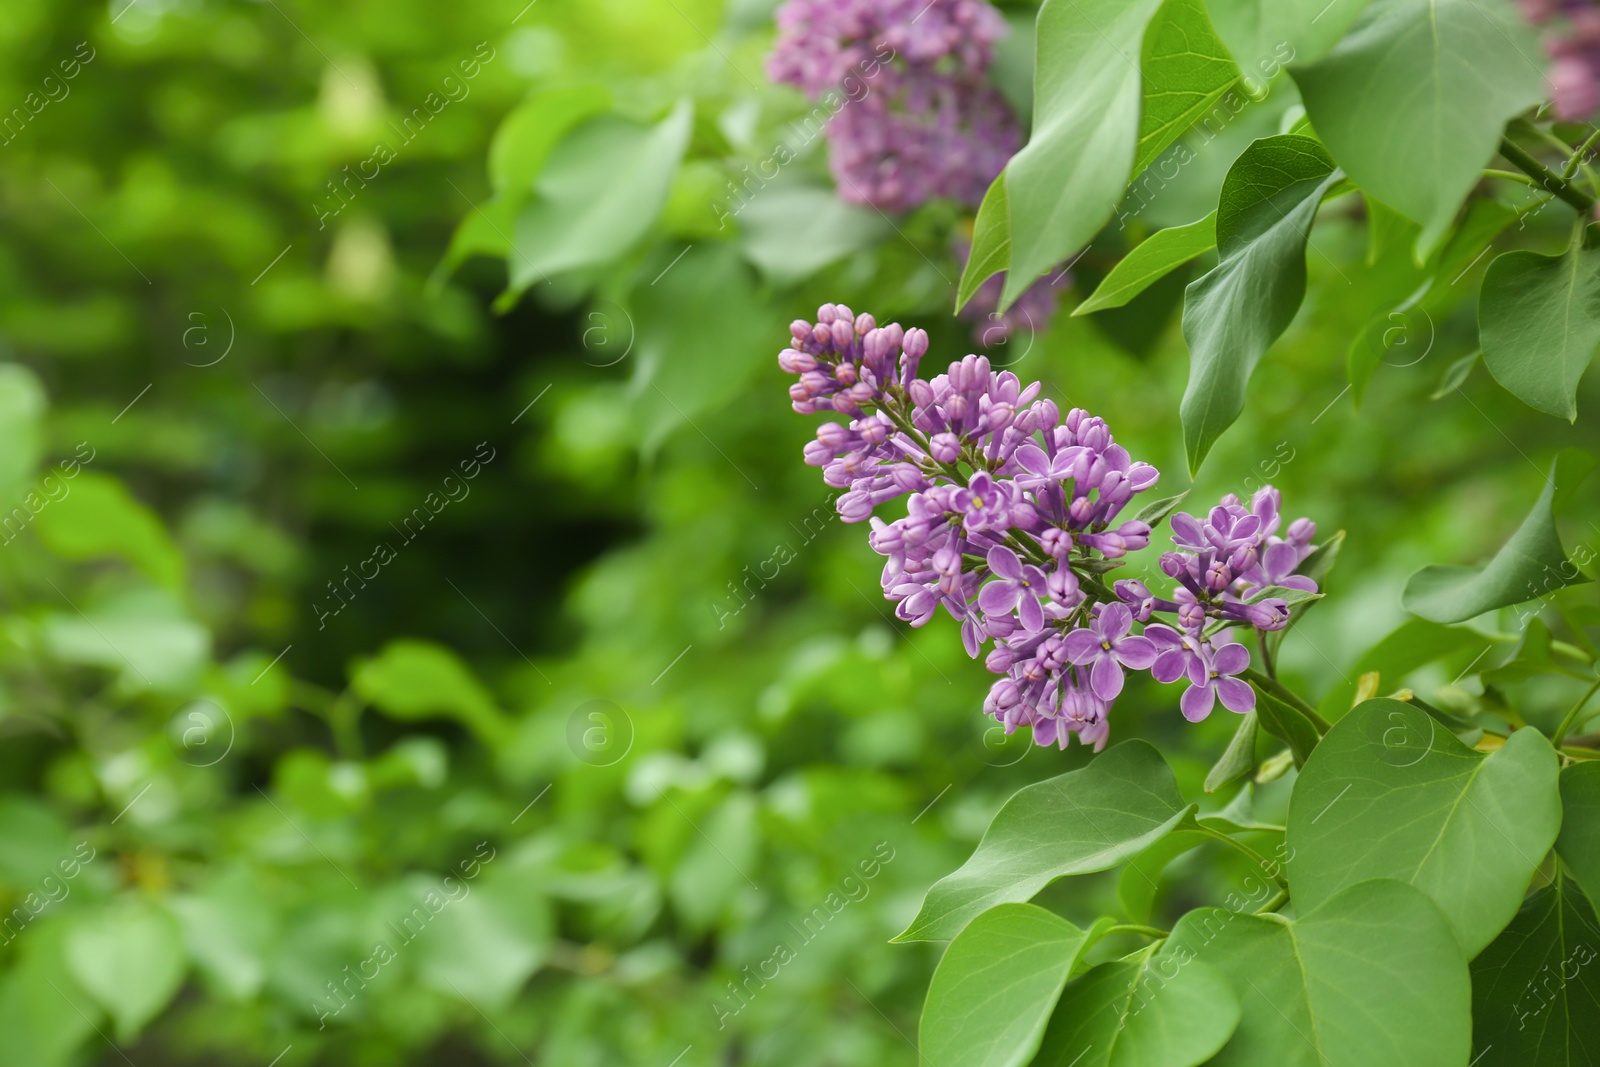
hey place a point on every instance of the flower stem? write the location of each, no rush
(1571, 718)
(1274, 904)
(1577, 157)
(1546, 179)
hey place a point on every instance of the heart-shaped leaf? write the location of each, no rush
(1539, 323)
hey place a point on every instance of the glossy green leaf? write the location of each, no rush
(1536, 989)
(130, 959)
(1539, 323)
(412, 680)
(1068, 179)
(1579, 842)
(1076, 823)
(1413, 101)
(1234, 313)
(1392, 794)
(1371, 975)
(1410, 646)
(1264, 35)
(1141, 878)
(1162, 1010)
(991, 241)
(598, 193)
(1529, 565)
(1288, 724)
(1186, 69)
(1153, 513)
(1455, 375)
(995, 987)
(1157, 256)
(1240, 757)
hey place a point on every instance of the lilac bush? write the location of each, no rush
(930, 125)
(1014, 513)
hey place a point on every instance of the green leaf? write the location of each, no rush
(129, 957)
(1369, 976)
(1162, 1010)
(598, 193)
(1455, 375)
(1076, 823)
(1154, 512)
(1391, 794)
(231, 932)
(1234, 313)
(411, 680)
(45, 1016)
(1186, 69)
(142, 633)
(832, 227)
(97, 518)
(991, 242)
(993, 991)
(1266, 34)
(1239, 759)
(1529, 565)
(702, 330)
(486, 944)
(1141, 878)
(1157, 256)
(1539, 323)
(1287, 724)
(1413, 101)
(1285, 594)
(1535, 997)
(22, 409)
(1579, 842)
(1410, 646)
(1068, 179)
(523, 142)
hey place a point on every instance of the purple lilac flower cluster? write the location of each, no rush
(1013, 514)
(1575, 70)
(929, 124)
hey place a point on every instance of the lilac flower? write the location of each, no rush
(1104, 647)
(919, 120)
(1012, 512)
(1014, 586)
(1210, 671)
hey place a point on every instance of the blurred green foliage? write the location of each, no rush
(278, 672)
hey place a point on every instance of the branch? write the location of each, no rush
(1546, 179)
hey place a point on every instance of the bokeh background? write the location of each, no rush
(621, 699)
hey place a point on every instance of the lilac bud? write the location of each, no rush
(817, 454)
(800, 330)
(946, 447)
(1269, 614)
(915, 344)
(1218, 576)
(1174, 563)
(843, 333)
(842, 313)
(865, 324)
(1056, 541)
(907, 477)
(1062, 585)
(1192, 617)
(1142, 476)
(854, 506)
(1301, 531)
(827, 313)
(921, 393)
(1080, 512)
(794, 362)
(1135, 534)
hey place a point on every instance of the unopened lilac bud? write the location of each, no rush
(1301, 531)
(800, 330)
(1062, 585)
(1056, 541)
(842, 313)
(1174, 563)
(854, 506)
(1142, 476)
(945, 447)
(893, 335)
(921, 393)
(843, 333)
(1000, 659)
(814, 382)
(817, 454)
(1024, 515)
(793, 362)
(836, 437)
(1269, 614)
(1243, 559)
(827, 313)
(798, 392)
(875, 431)
(1218, 576)
(1135, 535)
(865, 324)
(822, 334)
(907, 477)
(915, 344)
(998, 417)
(1191, 617)
(1080, 511)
